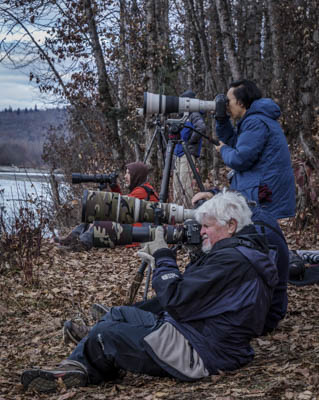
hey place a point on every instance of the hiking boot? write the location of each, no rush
(75, 246)
(74, 331)
(43, 380)
(68, 240)
(73, 236)
(98, 311)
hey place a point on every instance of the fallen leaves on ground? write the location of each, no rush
(286, 365)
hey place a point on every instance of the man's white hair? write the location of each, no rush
(224, 206)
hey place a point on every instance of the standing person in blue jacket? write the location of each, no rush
(256, 150)
(211, 312)
(183, 187)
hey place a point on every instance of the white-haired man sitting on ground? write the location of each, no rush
(212, 311)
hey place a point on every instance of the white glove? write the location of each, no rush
(149, 248)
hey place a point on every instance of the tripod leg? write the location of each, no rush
(147, 283)
(183, 185)
(163, 195)
(163, 144)
(192, 165)
(150, 146)
(178, 187)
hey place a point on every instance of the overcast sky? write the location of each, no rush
(17, 92)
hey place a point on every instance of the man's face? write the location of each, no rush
(235, 109)
(127, 178)
(212, 232)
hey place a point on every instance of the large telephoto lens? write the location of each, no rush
(81, 178)
(112, 234)
(109, 206)
(161, 104)
(97, 178)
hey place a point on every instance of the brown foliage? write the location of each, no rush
(285, 365)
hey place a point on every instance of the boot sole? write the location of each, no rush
(48, 381)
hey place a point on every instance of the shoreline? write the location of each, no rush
(13, 168)
(31, 174)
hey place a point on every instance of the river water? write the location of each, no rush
(21, 189)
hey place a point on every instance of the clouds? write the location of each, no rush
(17, 45)
(17, 91)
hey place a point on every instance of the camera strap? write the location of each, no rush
(263, 224)
(149, 192)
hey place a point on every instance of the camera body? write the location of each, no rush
(221, 107)
(173, 129)
(98, 178)
(174, 126)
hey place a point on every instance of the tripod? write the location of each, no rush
(159, 133)
(163, 195)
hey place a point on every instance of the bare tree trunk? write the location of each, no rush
(217, 51)
(187, 37)
(196, 17)
(253, 51)
(228, 42)
(157, 57)
(151, 44)
(104, 86)
(309, 89)
(277, 56)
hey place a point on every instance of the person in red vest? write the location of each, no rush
(135, 179)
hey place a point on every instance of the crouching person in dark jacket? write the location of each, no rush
(212, 311)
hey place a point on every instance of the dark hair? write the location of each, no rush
(246, 92)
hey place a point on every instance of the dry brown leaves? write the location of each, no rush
(286, 365)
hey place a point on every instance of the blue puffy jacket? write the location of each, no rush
(258, 153)
(220, 302)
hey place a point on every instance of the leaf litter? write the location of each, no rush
(286, 364)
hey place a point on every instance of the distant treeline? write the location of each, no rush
(22, 134)
(26, 109)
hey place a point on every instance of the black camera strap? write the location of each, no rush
(149, 192)
(263, 224)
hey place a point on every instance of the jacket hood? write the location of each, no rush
(138, 174)
(266, 107)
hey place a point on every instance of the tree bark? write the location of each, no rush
(105, 103)
(227, 38)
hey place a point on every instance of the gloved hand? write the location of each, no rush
(149, 248)
(264, 194)
(221, 107)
